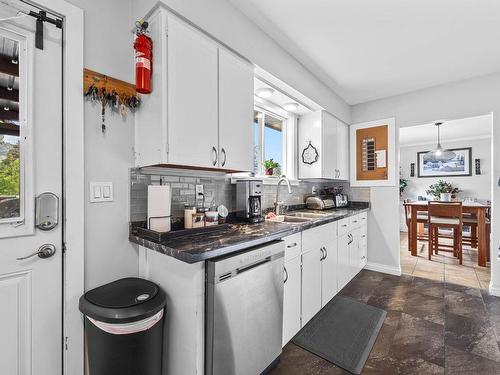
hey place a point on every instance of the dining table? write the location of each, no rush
(476, 208)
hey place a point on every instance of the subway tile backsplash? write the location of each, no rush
(219, 190)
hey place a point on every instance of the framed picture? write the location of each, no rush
(460, 165)
(373, 157)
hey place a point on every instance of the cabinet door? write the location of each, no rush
(291, 299)
(311, 284)
(343, 265)
(235, 112)
(342, 151)
(329, 272)
(329, 140)
(192, 97)
(354, 253)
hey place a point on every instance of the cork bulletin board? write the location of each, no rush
(373, 156)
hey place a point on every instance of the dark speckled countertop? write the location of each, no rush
(200, 246)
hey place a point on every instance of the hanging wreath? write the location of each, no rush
(310, 154)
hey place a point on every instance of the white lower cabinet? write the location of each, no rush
(311, 284)
(319, 262)
(343, 264)
(291, 299)
(329, 271)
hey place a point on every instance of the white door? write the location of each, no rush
(291, 299)
(343, 268)
(30, 164)
(311, 284)
(192, 96)
(329, 143)
(235, 112)
(329, 272)
(342, 151)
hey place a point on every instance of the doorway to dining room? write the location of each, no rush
(447, 161)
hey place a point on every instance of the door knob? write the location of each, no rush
(45, 251)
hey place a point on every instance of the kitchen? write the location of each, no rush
(238, 149)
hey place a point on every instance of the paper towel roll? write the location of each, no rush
(159, 202)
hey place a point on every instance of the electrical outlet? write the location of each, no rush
(199, 191)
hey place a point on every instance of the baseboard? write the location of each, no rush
(494, 291)
(383, 268)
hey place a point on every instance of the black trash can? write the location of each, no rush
(124, 327)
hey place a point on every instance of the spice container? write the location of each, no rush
(189, 211)
(211, 218)
(198, 220)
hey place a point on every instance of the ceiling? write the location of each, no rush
(478, 127)
(366, 50)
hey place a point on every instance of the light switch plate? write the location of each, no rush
(100, 192)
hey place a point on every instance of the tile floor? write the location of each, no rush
(440, 320)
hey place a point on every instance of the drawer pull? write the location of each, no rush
(354, 221)
(292, 245)
(345, 225)
(363, 236)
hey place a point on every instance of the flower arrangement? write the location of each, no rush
(442, 187)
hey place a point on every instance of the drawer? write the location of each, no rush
(343, 227)
(293, 246)
(354, 222)
(363, 217)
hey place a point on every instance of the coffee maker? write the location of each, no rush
(249, 200)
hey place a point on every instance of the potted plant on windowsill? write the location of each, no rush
(443, 191)
(271, 167)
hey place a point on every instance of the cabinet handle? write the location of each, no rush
(326, 253)
(293, 244)
(214, 156)
(322, 254)
(363, 236)
(223, 152)
(354, 221)
(286, 275)
(345, 225)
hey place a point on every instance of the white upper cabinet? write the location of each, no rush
(192, 96)
(342, 150)
(235, 112)
(330, 137)
(200, 111)
(151, 117)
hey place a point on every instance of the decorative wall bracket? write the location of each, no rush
(310, 154)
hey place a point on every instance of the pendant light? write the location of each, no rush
(439, 154)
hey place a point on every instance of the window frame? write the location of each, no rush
(289, 121)
(24, 223)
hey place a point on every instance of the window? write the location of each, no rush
(10, 137)
(269, 157)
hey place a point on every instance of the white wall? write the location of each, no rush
(475, 186)
(467, 98)
(226, 23)
(108, 49)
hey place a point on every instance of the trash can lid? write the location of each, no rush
(122, 301)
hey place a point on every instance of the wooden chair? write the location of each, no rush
(421, 219)
(445, 215)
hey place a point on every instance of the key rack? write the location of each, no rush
(108, 83)
(119, 95)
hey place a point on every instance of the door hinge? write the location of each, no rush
(66, 343)
(63, 247)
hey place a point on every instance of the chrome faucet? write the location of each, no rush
(278, 206)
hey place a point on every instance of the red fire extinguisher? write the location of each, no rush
(143, 46)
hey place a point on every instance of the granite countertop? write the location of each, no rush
(230, 238)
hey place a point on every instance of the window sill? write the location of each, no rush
(266, 180)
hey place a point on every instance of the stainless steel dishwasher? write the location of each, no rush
(244, 311)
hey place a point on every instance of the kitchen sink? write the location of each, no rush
(290, 219)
